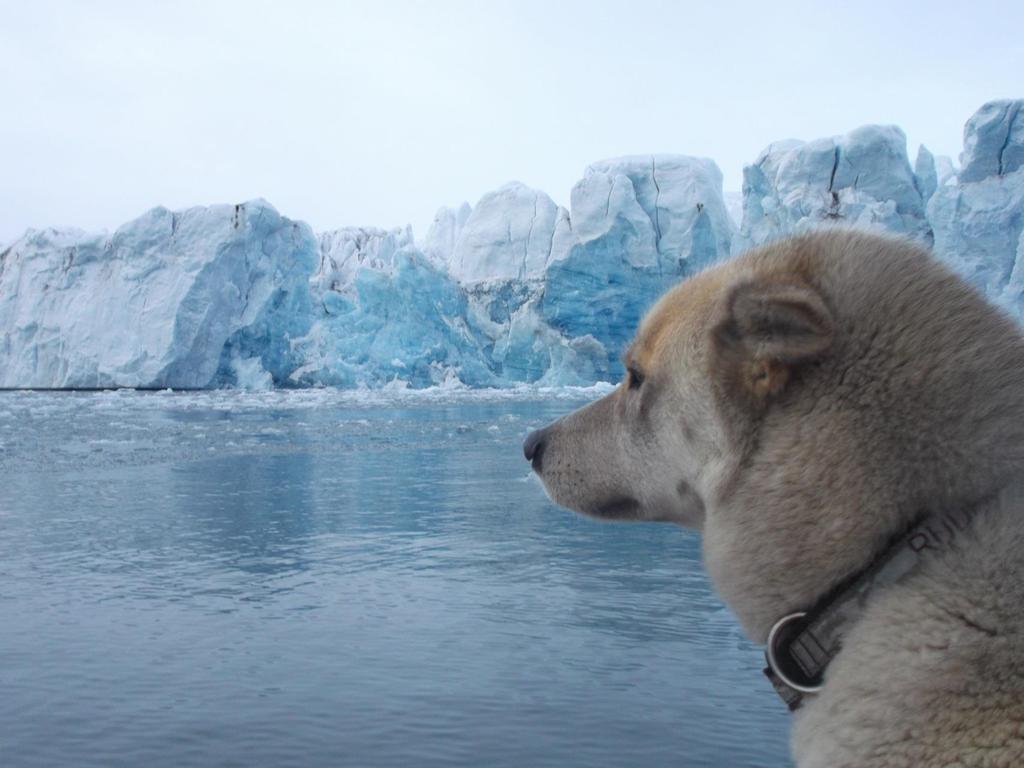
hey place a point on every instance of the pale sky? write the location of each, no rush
(377, 113)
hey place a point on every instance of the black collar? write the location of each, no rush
(802, 644)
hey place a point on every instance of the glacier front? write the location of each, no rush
(978, 217)
(154, 304)
(515, 289)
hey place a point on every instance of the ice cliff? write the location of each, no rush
(978, 216)
(863, 179)
(640, 224)
(513, 289)
(158, 303)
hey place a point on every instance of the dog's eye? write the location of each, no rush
(635, 378)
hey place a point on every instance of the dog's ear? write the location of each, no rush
(771, 328)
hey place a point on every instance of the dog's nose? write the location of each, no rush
(533, 447)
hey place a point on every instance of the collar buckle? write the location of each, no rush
(780, 660)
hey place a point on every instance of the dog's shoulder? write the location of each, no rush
(934, 674)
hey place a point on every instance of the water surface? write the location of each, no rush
(344, 579)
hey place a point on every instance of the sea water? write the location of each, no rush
(322, 578)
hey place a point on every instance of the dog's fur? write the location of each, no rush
(801, 405)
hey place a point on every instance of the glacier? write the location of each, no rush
(514, 289)
(156, 303)
(861, 179)
(978, 216)
(640, 225)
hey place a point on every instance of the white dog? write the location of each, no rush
(843, 420)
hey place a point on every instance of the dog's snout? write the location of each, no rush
(533, 447)
(534, 444)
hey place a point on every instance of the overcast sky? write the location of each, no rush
(376, 113)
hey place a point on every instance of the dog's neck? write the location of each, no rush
(802, 644)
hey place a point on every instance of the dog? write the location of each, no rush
(842, 419)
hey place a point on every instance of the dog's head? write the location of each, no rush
(798, 404)
(724, 342)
